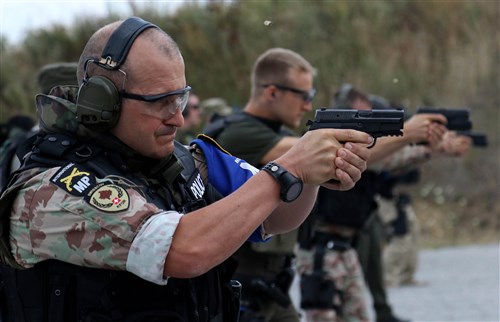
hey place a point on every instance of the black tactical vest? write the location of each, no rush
(264, 269)
(348, 208)
(55, 291)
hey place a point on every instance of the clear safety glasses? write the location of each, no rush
(162, 105)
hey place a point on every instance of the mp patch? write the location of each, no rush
(108, 197)
(74, 179)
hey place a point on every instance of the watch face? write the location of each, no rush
(294, 191)
(291, 187)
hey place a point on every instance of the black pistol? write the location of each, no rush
(377, 123)
(458, 118)
(478, 139)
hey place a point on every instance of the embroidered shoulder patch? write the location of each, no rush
(108, 197)
(74, 179)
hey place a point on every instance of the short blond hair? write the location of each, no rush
(274, 65)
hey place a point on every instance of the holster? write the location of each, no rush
(256, 288)
(318, 292)
(284, 279)
(400, 224)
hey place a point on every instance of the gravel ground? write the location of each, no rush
(459, 284)
(456, 284)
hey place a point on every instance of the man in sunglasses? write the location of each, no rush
(192, 120)
(110, 219)
(282, 93)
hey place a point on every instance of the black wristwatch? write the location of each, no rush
(291, 186)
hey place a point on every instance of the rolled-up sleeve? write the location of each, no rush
(150, 247)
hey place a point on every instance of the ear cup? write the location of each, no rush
(98, 104)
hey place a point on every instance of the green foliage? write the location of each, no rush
(407, 51)
(443, 53)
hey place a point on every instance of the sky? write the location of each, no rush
(19, 16)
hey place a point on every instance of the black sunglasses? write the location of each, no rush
(307, 96)
(157, 97)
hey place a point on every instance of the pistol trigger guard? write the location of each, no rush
(373, 143)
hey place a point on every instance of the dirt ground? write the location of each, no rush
(457, 200)
(452, 224)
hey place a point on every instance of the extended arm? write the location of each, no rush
(453, 144)
(206, 237)
(419, 128)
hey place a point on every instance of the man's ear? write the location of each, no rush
(271, 91)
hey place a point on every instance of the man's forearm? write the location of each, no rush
(386, 146)
(407, 158)
(289, 216)
(206, 237)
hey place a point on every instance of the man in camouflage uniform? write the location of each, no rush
(110, 219)
(327, 248)
(400, 254)
(371, 239)
(192, 120)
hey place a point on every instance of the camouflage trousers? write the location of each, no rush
(343, 268)
(400, 255)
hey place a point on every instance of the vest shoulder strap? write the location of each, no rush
(187, 160)
(215, 128)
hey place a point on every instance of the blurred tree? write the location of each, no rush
(443, 53)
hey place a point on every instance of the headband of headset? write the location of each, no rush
(116, 50)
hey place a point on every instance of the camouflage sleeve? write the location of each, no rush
(96, 228)
(405, 159)
(150, 247)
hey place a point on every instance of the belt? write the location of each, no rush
(332, 241)
(342, 231)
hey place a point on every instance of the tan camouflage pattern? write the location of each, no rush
(344, 269)
(49, 223)
(57, 111)
(151, 245)
(400, 255)
(6, 201)
(387, 210)
(408, 158)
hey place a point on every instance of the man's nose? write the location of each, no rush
(177, 119)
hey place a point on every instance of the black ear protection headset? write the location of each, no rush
(98, 102)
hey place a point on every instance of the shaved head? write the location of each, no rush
(95, 46)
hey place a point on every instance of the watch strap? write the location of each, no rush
(284, 178)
